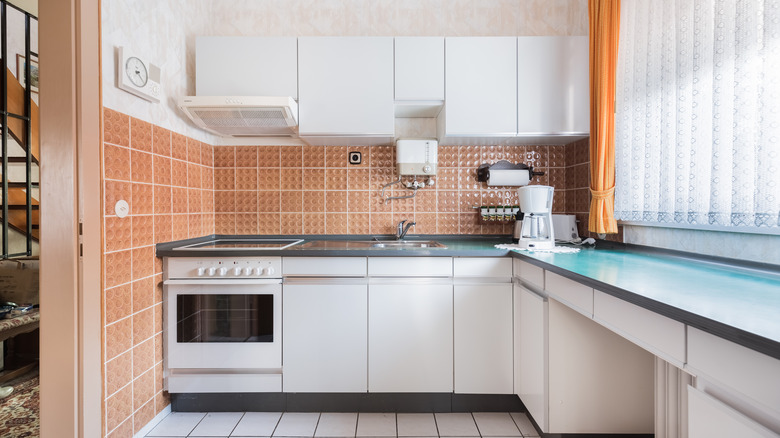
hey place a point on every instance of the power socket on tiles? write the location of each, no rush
(355, 157)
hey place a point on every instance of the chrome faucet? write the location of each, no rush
(402, 230)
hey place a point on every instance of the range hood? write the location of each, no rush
(243, 116)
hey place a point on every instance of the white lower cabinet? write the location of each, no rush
(324, 337)
(483, 338)
(410, 336)
(710, 418)
(575, 376)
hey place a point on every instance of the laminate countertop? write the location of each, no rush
(735, 300)
(729, 298)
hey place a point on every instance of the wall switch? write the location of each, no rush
(355, 158)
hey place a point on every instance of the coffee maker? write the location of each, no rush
(533, 223)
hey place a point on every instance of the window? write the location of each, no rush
(697, 134)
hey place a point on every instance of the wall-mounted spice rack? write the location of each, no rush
(498, 212)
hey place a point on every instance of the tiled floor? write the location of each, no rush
(305, 424)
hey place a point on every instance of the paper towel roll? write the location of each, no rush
(508, 177)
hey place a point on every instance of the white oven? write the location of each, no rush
(222, 324)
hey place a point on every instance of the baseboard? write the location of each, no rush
(345, 402)
(155, 421)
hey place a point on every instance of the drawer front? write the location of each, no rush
(655, 333)
(482, 267)
(529, 273)
(708, 417)
(410, 266)
(739, 368)
(575, 295)
(324, 266)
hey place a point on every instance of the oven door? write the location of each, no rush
(223, 324)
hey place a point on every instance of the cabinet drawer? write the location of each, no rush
(575, 295)
(410, 266)
(529, 273)
(324, 266)
(655, 333)
(739, 368)
(482, 267)
(708, 417)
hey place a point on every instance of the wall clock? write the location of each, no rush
(136, 75)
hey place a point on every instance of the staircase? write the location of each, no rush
(18, 151)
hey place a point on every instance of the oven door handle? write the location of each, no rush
(224, 282)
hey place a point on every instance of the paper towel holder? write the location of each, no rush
(483, 171)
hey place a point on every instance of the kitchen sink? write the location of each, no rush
(366, 244)
(408, 244)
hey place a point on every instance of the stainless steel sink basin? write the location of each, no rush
(367, 244)
(408, 244)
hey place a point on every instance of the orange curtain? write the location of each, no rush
(604, 20)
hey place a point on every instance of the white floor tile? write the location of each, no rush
(496, 424)
(524, 424)
(257, 424)
(217, 424)
(456, 424)
(376, 425)
(416, 425)
(336, 425)
(298, 424)
(177, 424)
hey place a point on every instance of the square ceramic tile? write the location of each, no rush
(456, 424)
(496, 424)
(417, 425)
(333, 424)
(298, 424)
(177, 424)
(376, 425)
(524, 424)
(255, 424)
(217, 424)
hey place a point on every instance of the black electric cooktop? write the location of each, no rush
(242, 244)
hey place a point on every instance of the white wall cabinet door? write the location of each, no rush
(419, 68)
(410, 337)
(483, 338)
(481, 86)
(553, 93)
(531, 352)
(345, 86)
(246, 66)
(325, 338)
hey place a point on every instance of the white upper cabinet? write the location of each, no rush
(481, 87)
(419, 69)
(246, 66)
(346, 86)
(552, 85)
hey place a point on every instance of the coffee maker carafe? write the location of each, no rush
(533, 226)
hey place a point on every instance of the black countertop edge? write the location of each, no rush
(749, 340)
(167, 249)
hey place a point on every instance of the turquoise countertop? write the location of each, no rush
(737, 297)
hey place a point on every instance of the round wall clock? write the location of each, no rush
(135, 69)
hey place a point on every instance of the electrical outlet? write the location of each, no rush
(355, 158)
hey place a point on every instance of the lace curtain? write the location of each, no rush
(697, 126)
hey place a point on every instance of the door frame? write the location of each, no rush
(71, 365)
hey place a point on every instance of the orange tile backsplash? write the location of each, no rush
(179, 188)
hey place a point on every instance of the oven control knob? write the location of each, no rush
(212, 271)
(269, 270)
(237, 271)
(258, 271)
(222, 272)
(201, 272)
(247, 271)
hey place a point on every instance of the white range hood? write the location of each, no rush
(243, 116)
